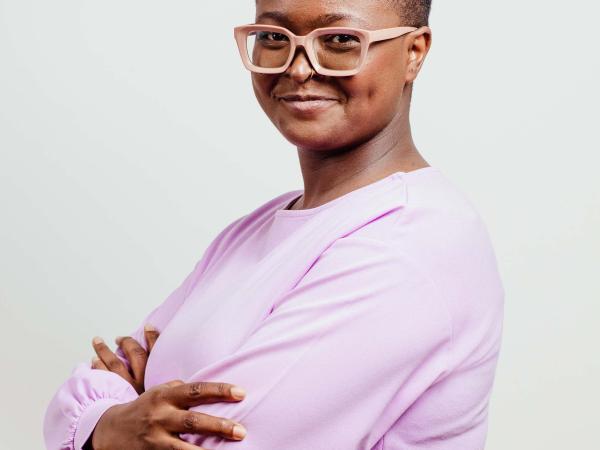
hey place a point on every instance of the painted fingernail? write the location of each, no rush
(239, 432)
(238, 392)
(149, 327)
(98, 340)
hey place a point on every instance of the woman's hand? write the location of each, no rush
(155, 418)
(134, 353)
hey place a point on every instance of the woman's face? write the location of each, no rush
(362, 104)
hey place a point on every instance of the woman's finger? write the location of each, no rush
(110, 360)
(184, 421)
(193, 394)
(151, 335)
(136, 355)
(98, 364)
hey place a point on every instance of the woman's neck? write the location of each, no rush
(328, 174)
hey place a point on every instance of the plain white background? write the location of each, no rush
(122, 155)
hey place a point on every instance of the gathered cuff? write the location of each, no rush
(85, 424)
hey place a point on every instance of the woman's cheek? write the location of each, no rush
(363, 110)
(262, 86)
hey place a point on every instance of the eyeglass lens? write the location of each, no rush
(269, 49)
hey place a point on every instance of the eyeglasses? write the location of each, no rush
(332, 51)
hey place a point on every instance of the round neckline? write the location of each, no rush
(280, 212)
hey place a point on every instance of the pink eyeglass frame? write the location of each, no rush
(366, 37)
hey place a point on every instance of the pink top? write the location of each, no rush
(370, 322)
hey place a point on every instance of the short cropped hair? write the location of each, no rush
(414, 13)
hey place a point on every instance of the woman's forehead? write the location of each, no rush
(310, 14)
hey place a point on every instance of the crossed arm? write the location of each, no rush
(349, 348)
(152, 420)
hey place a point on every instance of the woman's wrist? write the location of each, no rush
(95, 441)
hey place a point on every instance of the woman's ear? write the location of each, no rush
(419, 43)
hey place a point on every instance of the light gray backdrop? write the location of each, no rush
(122, 154)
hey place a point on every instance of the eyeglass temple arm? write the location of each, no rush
(389, 33)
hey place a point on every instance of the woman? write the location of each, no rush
(363, 312)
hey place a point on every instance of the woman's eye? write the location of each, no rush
(344, 39)
(272, 36)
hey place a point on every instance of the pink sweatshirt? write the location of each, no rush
(370, 322)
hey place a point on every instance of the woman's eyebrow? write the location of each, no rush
(321, 21)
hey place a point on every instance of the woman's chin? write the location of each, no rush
(312, 134)
(312, 139)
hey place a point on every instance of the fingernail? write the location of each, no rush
(98, 340)
(239, 432)
(238, 392)
(149, 327)
(95, 359)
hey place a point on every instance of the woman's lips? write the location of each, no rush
(308, 106)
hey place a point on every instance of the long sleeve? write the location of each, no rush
(351, 347)
(81, 400)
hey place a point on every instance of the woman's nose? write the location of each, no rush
(300, 69)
